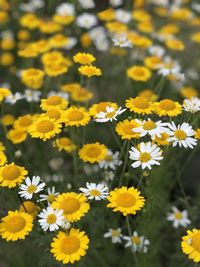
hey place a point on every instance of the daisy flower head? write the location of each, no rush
(64, 143)
(125, 129)
(32, 95)
(74, 205)
(29, 207)
(69, 247)
(140, 105)
(76, 116)
(111, 161)
(121, 40)
(115, 234)
(50, 219)
(145, 155)
(137, 243)
(54, 101)
(167, 107)
(192, 105)
(139, 73)
(31, 187)
(50, 196)
(95, 191)
(109, 115)
(179, 218)
(89, 71)
(94, 152)
(182, 135)
(16, 225)
(191, 244)
(153, 128)
(84, 58)
(125, 200)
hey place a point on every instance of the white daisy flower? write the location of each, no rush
(87, 4)
(156, 50)
(65, 9)
(109, 176)
(153, 128)
(50, 196)
(13, 98)
(115, 235)
(31, 187)
(51, 219)
(179, 218)
(71, 42)
(32, 95)
(61, 94)
(145, 155)
(182, 135)
(86, 20)
(111, 161)
(109, 115)
(192, 105)
(95, 191)
(137, 243)
(121, 41)
(122, 15)
(65, 224)
(115, 3)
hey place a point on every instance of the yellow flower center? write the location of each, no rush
(70, 205)
(53, 100)
(64, 141)
(93, 152)
(196, 241)
(31, 189)
(95, 193)
(70, 244)
(180, 134)
(126, 200)
(51, 198)
(139, 72)
(110, 114)
(30, 207)
(45, 126)
(149, 125)
(15, 224)
(109, 158)
(178, 215)
(136, 240)
(10, 172)
(145, 157)
(102, 107)
(75, 115)
(167, 104)
(115, 233)
(25, 122)
(51, 219)
(141, 102)
(53, 114)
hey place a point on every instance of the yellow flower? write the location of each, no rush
(12, 175)
(3, 158)
(181, 14)
(76, 116)
(124, 129)
(4, 17)
(139, 73)
(58, 41)
(54, 101)
(196, 37)
(141, 15)
(85, 40)
(191, 244)
(94, 152)
(126, 200)
(30, 21)
(16, 225)
(175, 44)
(7, 59)
(197, 134)
(2, 147)
(84, 58)
(101, 107)
(28, 51)
(63, 20)
(106, 15)
(44, 128)
(23, 35)
(8, 119)
(116, 27)
(81, 95)
(89, 71)
(56, 69)
(153, 62)
(30, 208)
(189, 92)
(70, 87)
(54, 113)
(148, 94)
(48, 26)
(4, 92)
(33, 78)
(64, 143)
(17, 136)
(168, 107)
(74, 205)
(53, 57)
(69, 247)
(23, 122)
(162, 140)
(140, 105)
(7, 43)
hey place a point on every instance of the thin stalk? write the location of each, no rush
(124, 166)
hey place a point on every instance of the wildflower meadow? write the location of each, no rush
(99, 133)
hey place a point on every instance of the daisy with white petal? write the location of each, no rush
(32, 95)
(153, 128)
(122, 15)
(109, 115)
(65, 224)
(13, 98)
(156, 50)
(111, 161)
(137, 243)
(65, 9)
(121, 41)
(145, 155)
(182, 135)
(51, 219)
(192, 105)
(95, 191)
(31, 187)
(115, 234)
(179, 218)
(50, 196)
(86, 20)
(115, 3)
(86, 4)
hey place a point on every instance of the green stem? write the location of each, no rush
(124, 166)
